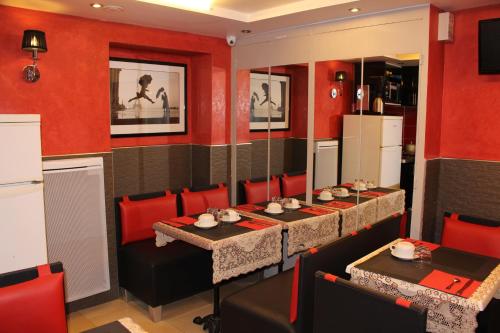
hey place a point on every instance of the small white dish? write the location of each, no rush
(228, 219)
(291, 206)
(325, 200)
(342, 196)
(205, 225)
(274, 212)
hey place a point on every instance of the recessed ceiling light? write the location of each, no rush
(246, 31)
(113, 8)
(203, 5)
(354, 10)
(95, 5)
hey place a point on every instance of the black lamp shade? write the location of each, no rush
(340, 76)
(34, 40)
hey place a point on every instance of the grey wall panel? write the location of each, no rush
(431, 199)
(259, 158)
(179, 166)
(244, 161)
(464, 186)
(220, 160)
(200, 157)
(127, 171)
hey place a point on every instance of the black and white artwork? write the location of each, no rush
(147, 98)
(273, 99)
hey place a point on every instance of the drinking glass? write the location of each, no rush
(423, 254)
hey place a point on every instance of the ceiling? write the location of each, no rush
(231, 16)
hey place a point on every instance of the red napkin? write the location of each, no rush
(347, 185)
(256, 225)
(440, 280)
(173, 224)
(184, 220)
(430, 246)
(249, 207)
(373, 194)
(339, 204)
(315, 211)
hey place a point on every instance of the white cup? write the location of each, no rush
(206, 219)
(403, 250)
(274, 207)
(326, 195)
(232, 215)
(341, 191)
(294, 202)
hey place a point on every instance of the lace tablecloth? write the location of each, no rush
(446, 312)
(234, 255)
(389, 204)
(309, 232)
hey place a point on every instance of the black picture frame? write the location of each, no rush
(159, 121)
(259, 123)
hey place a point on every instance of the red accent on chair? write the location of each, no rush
(34, 306)
(293, 185)
(368, 226)
(454, 216)
(257, 192)
(330, 277)
(138, 216)
(216, 198)
(294, 302)
(354, 233)
(44, 270)
(402, 225)
(193, 202)
(403, 302)
(470, 237)
(313, 250)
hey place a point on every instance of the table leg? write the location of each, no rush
(211, 322)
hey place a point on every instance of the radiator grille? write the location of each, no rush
(76, 229)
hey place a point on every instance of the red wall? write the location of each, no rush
(72, 95)
(469, 119)
(328, 111)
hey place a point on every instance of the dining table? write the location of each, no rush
(237, 248)
(453, 285)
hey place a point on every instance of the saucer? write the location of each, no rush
(342, 196)
(292, 207)
(371, 187)
(228, 220)
(403, 258)
(205, 226)
(325, 199)
(274, 213)
(360, 190)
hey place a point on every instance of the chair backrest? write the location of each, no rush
(342, 306)
(471, 234)
(197, 199)
(293, 185)
(138, 215)
(334, 257)
(32, 300)
(257, 191)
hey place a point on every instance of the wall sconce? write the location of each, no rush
(340, 76)
(33, 41)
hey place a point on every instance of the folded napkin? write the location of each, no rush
(440, 280)
(172, 224)
(255, 224)
(315, 211)
(430, 246)
(185, 220)
(249, 207)
(373, 194)
(339, 204)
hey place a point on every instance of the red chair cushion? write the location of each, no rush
(471, 237)
(257, 192)
(34, 306)
(293, 185)
(294, 301)
(217, 198)
(193, 202)
(138, 216)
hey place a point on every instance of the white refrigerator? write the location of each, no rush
(22, 220)
(372, 148)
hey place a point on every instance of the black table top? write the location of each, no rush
(352, 199)
(287, 216)
(468, 265)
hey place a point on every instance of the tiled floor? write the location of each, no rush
(177, 317)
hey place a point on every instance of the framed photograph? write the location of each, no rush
(147, 98)
(274, 99)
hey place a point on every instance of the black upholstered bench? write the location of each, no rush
(156, 275)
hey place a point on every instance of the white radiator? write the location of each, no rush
(76, 224)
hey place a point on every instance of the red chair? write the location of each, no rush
(257, 192)
(198, 201)
(471, 236)
(32, 300)
(137, 217)
(217, 198)
(293, 185)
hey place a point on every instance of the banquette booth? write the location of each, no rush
(310, 179)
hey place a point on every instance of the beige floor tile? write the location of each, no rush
(184, 323)
(78, 323)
